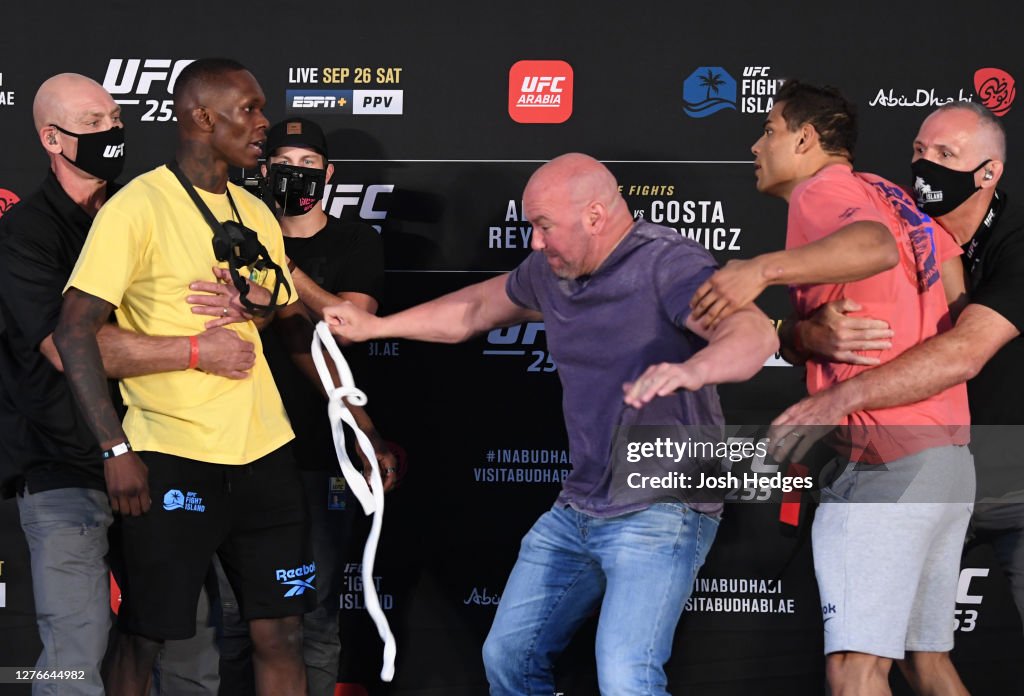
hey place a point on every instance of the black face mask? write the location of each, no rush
(240, 247)
(940, 190)
(297, 190)
(100, 154)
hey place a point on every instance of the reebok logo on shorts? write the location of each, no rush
(828, 612)
(298, 580)
(174, 499)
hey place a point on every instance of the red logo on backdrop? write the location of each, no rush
(996, 89)
(540, 91)
(7, 199)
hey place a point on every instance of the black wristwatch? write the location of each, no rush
(117, 450)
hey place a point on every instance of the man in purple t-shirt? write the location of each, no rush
(613, 294)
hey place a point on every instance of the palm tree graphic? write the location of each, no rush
(712, 82)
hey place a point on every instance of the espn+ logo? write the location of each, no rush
(540, 91)
(310, 101)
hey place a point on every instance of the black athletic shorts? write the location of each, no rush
(253, 516)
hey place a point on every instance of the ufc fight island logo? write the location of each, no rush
(540, 91)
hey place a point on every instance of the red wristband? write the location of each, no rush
(193, 352)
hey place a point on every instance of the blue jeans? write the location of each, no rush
(66, 530)
(638, 567)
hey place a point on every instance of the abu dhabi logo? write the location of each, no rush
(174, 499)
(996, 89)
(298, 580)
(708, 90)
(7, 200)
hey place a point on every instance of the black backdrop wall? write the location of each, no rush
(419, 100)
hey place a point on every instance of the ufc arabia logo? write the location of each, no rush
(538, 83)
(540, 91)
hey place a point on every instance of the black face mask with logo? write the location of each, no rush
(100, 154)
(940, 190)
(297, 190)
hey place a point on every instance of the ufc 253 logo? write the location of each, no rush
(966, 620)
(130, 80)
(522, 340)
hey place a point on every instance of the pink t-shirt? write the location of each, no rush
(909, 296)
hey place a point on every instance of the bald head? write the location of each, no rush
(68, 100)
(577, 213)
(981, 127)
(581, 179)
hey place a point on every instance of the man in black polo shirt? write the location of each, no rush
(61, 478)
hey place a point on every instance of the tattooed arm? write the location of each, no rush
(81, 318)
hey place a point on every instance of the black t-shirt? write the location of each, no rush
(342, 257)
(40, 240)
(999, 285)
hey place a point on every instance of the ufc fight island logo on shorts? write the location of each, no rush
(540, 91)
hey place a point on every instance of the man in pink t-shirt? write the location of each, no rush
(887, 572)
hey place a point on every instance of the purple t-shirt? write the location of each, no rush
(604, 330)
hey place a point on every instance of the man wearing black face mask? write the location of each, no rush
(60, 476)
(958, 161)
(298, 146)
(328, 259)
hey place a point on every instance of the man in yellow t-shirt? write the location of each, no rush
(213, 451)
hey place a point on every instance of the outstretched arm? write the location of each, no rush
(315, 298)
(451, 318)
(857, 251)
(926, 369)
(737, 348)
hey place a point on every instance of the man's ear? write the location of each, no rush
(48, 137)
(594, 216)
(808, 138)
(988, 176)
(202, 118)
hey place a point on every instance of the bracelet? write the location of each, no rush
(117, 450)
(193, 352)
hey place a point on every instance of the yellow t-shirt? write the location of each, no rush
(145, 246)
